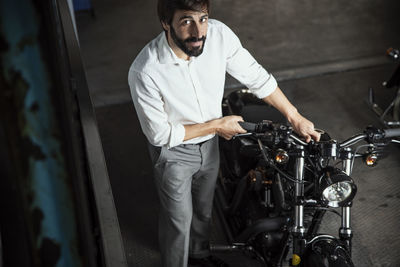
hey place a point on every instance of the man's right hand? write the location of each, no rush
(225, 127)
(228, 126)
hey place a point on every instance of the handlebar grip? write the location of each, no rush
(394, 132)
(248, 126)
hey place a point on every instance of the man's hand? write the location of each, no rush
(301, 125)
(304, 127)
(228, 126)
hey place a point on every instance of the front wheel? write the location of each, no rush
(326, 253)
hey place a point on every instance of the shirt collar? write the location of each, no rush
(165, 53)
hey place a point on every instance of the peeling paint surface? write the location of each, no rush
(46, 179)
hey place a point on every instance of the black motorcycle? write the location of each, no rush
(274, 189)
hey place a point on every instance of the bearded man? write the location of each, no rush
(177, 85)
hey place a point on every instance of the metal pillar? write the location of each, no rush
(54, 184)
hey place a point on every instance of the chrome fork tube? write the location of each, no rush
(346, 221)
(346, 212)
(347, 161)
(299, 219)
(345, 231)
(300, 176)
(299, 191)
(298, 230)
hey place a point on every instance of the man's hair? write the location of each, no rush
(166, 8)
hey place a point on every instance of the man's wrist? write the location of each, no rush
(292, 114)
(214, 126)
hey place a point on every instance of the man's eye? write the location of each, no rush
(203, 20)
(186, 22)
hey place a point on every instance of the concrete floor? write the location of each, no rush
(282, 35)
(287, 37)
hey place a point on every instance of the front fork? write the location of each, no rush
(345, 231)
(298, 230)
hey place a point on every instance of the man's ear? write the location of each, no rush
(165, 26)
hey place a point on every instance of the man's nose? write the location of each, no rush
(197, 30)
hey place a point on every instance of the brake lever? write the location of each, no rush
(240, 135)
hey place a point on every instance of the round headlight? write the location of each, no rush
(336, 187)
(337, 193)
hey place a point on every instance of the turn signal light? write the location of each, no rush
(281, 156)
(371, 160)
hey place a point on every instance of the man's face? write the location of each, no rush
(187, 32)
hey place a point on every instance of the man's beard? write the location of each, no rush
(183, 44)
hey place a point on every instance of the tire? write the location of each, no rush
(327, 253)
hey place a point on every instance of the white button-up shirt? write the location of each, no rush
(169, 92)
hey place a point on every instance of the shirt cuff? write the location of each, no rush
(177, 135)
(267, 89)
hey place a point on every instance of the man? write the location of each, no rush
(177, 83)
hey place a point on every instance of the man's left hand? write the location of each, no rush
(304, 128)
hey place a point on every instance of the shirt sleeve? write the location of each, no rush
(149, 106)
(242, 66)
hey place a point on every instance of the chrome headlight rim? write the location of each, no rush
(334, 176)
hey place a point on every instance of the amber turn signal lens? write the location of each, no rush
(371, 160)
(281, 156)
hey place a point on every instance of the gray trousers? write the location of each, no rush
(185, 178)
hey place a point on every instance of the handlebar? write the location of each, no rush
(248, 126)
(298, 140)
(370, 135)
(264, 126)
(392, 132)
(353, 140)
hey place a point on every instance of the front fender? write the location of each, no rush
(326, 252)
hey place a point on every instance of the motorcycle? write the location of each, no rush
(394, 106)
(274, 189)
